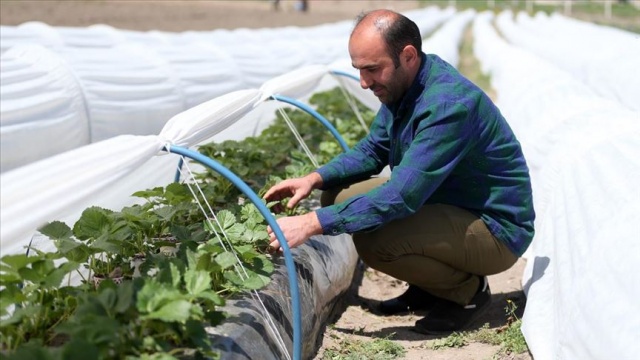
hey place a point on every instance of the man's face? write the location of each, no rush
(369, 54)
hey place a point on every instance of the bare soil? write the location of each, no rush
(359, 320)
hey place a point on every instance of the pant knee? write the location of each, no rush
(369, 251)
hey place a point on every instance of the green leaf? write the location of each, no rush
(212, 296)
(125, 297)
(154, 295)
(75, 251)
(19, 314)
(176, 193)
(93, 223)
(31, 351)
(226, 219)
(108, 297)
(176, 276)
(19, 261)
(181, 233)
(226, 260)
(197, 281)
(165, 213)
(147, 194)
(103, 243)
(255, 282)
(79, 349)
(177, 310)
(56, 230)
(235, 232)
(234, 279)
(9, 296)
(192, 259)
(54, 278)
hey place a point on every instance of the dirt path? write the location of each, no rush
(187, 15)
(357, 321)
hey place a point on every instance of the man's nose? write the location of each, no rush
(365, 82)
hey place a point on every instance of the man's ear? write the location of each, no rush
(409, 54)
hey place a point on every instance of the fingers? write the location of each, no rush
(274, 244)
(294, 200)
(274, 247)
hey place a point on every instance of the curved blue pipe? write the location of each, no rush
(288, 258)
(315, 114)
(345, 74)
(176, 178)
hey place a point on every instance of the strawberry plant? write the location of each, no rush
(167, 266)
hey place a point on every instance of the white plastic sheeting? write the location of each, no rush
(48, 185)
(584, 155)
(41, 101)
(446, 41)
(133, 82)
(604, 58)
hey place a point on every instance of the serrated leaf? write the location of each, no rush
(56, 230)
(147, 194)
(235, 232)
(213, 297)
(19, 261)
(255, 282)
(197, 281)
(177, 310)
(103, 243)
(226, 260)
(125, 297)
(233, 278)
(176, 193)
(19, 314)
(165, 212)
(93, 223)
(176, 276)
(181, 233)
(226, 219)
(79, 349)
(108, 297)
(192, 259)
(54, 278)
(10, 295)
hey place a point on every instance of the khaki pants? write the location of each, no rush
(441, 248)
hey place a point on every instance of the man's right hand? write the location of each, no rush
(297, 189)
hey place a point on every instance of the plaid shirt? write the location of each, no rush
(446, 142)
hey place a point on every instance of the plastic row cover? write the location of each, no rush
(125, 82)
(446, 41)
(41, 101)
(583, 157)
(48, 184)
(603, 58)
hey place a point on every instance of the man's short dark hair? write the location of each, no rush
(397, 33)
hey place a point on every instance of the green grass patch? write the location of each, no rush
(508, 337)
(455, 340)
(375, 349)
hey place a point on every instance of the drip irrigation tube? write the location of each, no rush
(304, 107)
(288, 258)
